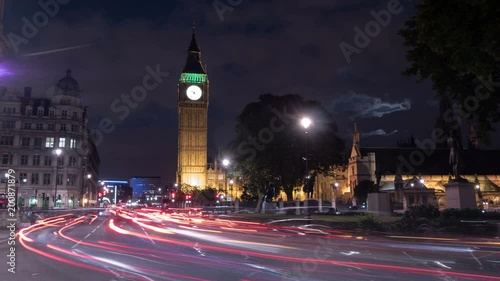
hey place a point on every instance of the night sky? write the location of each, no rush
(259, 46)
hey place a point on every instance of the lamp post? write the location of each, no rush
(225, 163)
(89, 176)
(478, 189)
(306, 122)
(58, 153)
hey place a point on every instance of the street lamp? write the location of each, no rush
(58, 153)
(87, 194)
(225, 163)
(306, 122)
(334, 197)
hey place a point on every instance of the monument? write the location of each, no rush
(378, 203)
(459, 192)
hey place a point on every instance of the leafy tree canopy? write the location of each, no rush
(270, 143)
(455, 43)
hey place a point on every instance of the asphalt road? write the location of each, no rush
(149, 246)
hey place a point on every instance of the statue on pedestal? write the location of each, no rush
(454, 157)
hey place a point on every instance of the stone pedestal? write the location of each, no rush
(297, 207)
(334, 204)
(460, 195)
(379, 203)
(320, 205)
(281, 209)
(237, 205)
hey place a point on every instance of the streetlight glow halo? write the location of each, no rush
(305, 122)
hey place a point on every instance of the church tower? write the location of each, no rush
(192, 103)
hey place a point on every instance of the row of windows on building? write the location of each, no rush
(46, 179)
(11, 124)
(38, 142)
(7, 159)
(40, 112)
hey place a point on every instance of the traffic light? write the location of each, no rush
(172, 195)
(100, 194)
(188, 196)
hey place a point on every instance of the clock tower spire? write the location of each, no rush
(192, 102)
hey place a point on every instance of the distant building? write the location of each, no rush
(147, 186)
(33, 130)
(118, 191)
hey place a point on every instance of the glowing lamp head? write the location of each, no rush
(305, 122)
(58, 152)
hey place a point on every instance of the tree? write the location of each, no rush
(460, 51)
(206, 196)
(362, 189)
(270, 144)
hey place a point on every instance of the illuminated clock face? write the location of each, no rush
(193, 92)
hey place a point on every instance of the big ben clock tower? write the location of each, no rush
(192, 100)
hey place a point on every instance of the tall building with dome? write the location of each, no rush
(46, 141)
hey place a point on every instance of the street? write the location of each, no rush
(150, 245)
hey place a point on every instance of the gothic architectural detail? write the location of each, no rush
(417, 174)
(193, 98)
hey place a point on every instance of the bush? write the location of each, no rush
(421, 218)
(368, 221)
(452, 217)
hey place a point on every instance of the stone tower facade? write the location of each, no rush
(193, 97)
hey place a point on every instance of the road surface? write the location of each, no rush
(150, 245)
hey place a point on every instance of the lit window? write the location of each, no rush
(72, 143)
(49, 142)
(62, 142)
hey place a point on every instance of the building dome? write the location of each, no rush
(67, 85)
